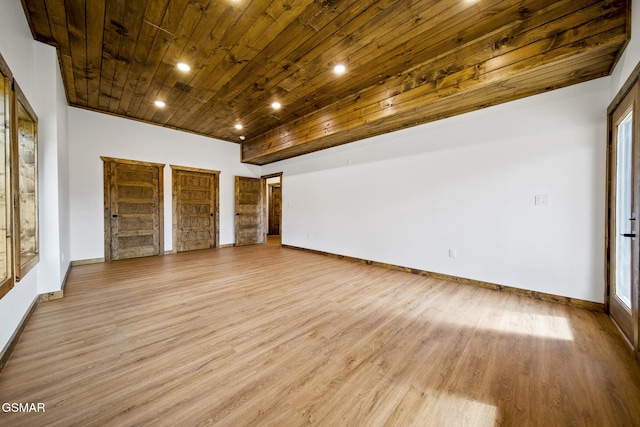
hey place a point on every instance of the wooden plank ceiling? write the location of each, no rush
(407, 61)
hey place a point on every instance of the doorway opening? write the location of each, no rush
(273, 208)
(254, 199)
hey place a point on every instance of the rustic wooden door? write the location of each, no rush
(195, 208)
(133, 208)
(249, 211)
(275, 208)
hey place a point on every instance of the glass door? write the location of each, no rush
(624, 232)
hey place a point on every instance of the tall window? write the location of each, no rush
(19, 246)
(25, 175)
(6, 243)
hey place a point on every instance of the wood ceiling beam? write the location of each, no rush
(482, 66)
(576, 70)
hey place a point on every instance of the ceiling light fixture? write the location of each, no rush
(183, 67)
(339, 69)
(276, 105)
(238, 126)
(242, 137)
(160, 104)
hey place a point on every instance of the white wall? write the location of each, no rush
(467, 183)
(16, 45)
(93, 135)
(46, 106)
(64, 203)
(34, 68)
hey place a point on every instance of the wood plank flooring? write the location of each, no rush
(267, 336)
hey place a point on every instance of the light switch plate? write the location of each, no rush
(542, 200)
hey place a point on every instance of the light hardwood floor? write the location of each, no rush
(278, 337)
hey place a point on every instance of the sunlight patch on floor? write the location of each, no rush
(514, 322)
(456, 411)
(496, 319)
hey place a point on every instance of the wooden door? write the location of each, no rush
(195, 208)
(624, 206)
(275, 208)
(249, 211)
(133, 207)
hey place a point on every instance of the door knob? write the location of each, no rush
(629, 234)
(114, 216)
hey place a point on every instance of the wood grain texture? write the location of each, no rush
(133, 208)
(249, 210)
(263, 335)
(574, 302)
(24, 180)
(408, 61)
(196, 211)
(275, 208)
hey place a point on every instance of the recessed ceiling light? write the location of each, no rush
(160, 104)
(238, 126)
(183, 67)
(339, 69)
(276, 105)
(242, 137)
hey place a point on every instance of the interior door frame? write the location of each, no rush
(632, 84)
(107, 161)
(269, 198)
(216, 202)
(265, 203)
